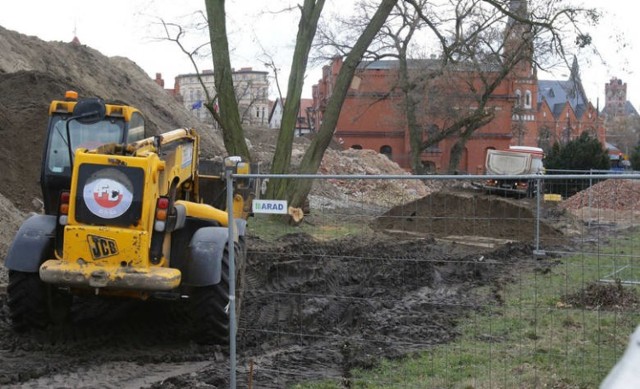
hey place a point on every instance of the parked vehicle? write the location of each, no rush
(518, 160)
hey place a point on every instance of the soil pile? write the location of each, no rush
(34, 72)
(453, 213)
(10, 219)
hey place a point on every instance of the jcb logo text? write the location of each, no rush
(102, 247)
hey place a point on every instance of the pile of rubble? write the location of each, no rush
(379, 192)
(614, 194)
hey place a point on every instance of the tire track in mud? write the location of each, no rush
(318, 309)
(116, 375)
(109, 343)
(312, 310)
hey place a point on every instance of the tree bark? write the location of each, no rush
(299, 190)
(232, 131)
(414, 128)
(310, 14)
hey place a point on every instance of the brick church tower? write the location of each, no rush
(615, 97)
(518, 49)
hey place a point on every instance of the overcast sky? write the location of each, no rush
(131, 29)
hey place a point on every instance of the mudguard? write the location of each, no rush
(206, 251)
(32, 244)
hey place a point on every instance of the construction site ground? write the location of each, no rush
(425, 279)
(420, 285)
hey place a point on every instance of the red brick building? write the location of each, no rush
(372, 115)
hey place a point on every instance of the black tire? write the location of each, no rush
(532, 189)
(34, 304)
(210, 304)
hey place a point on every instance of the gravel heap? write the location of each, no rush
(618, 195)
(382, 192)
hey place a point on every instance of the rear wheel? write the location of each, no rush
(34, 304)
(532, 189)
(210, 304)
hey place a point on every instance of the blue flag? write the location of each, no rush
(197, 105)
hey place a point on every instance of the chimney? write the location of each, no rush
(159, 80)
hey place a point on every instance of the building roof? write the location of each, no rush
(433, 63)
(557, 93)
(249, 70)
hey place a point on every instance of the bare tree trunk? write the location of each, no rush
(232, 131)
(299, 190)
(310, 13)
(415, 133)
(458, 147)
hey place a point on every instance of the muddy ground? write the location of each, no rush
(311, 309)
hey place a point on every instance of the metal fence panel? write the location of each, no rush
(429, 282)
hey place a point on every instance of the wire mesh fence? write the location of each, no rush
(431, 282)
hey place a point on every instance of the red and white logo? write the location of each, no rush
(107, 198)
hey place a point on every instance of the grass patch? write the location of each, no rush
(270, 227)
(560, 329)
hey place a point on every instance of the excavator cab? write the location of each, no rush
(88, 123)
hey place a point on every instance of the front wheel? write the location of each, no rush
(210, 304)
(34, 304)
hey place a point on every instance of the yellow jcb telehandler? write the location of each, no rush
(125, 216)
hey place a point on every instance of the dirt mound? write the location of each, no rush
(23, 131)
(81, 67)
(459, 213)
(34, 72)
(10, 219)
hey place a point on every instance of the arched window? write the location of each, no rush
(432, 131)
(386, 150)
(518, 98)
(527, 99)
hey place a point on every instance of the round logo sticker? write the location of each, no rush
(108, 194)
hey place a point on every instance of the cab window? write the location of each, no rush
(136, 128)
(86, 136)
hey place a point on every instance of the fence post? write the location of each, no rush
(589, 197)
(537, 251)
(232, 281)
